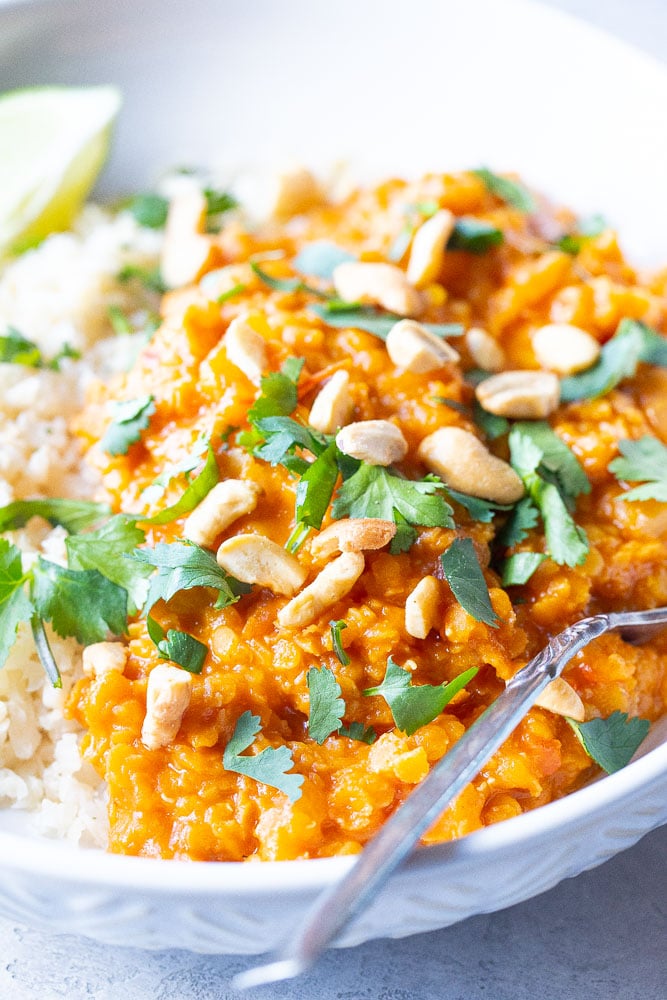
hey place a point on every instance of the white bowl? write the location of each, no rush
(392, 87)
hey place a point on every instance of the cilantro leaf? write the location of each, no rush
(179, 647)
(359, 732)
(644, 461)
(574, 241)
(194, 493)
(120, 322)
(44, 651)
(558, 463)
(474, 236)
(149, 210)
(130, 418)
(479, 509)
(523, 517)
(285, 284)
(278, 392)
(320, 259)
(218, 202)
(327, 707)
(519, 568)
(282, 435)
(413, 706)
(373, 491)
(315, 488)
(464, 575)
(566, 541)
(374, 321)
(336, 641)
(80, 603)
(611, 742)
(511, 192)
(633, 342)
(14, 604)
(182, 566)
(105, 550)
(270, 766)
(73, 515)
(491, 424)
(150, 278)
(16, 349)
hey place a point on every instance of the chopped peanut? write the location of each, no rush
(485, 350)
(246, 349)
(352, 534)
(335, 581)
(333, 405)
(225, 503)
(561, 698)
(564, 348)
(421, 607)
(522, 395)
(428, 247)
(103, 657)
(186, 251)
(378, 284)
(167, 698)
(413, 347)
(256, 559)
(378, 442)
(465, 464)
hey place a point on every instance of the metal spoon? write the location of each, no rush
(339, 904)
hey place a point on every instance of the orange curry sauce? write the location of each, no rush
(179, 801)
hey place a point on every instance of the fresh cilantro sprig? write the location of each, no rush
(179, 647)
(285, 284)
(149, 277)
(464, 575)
(619, 357)
(278, 394)
(512, 192)
(15, 606)
(374, 491)
(611, 742)
(149, 210)
(16, 349)
(644, 461)
(194, 493)
(327, 707)
(270, 766)
(518, 568)
(359, 732)
(413, 706)
(566, 541)
(374, 320)
(129, 418)
(474, 235)
(106, 550)
(183, 566)
(73, 515)
(337, 642)
(80, 603)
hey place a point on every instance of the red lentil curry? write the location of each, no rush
(272, 681)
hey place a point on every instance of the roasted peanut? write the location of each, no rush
(246, 349)
(378, 284)
(561, 698)
(465, 464)
(352, 534)
(378, 442)
(226, 502)
(523, 395)
(167, 698)
(103, 657)
(333, 406)
(421, 607)
(413, 347)
(485, 350)
(428, 247)
(256, 559)
(335, 581)
(564, 348)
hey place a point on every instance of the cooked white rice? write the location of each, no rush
(57, 294)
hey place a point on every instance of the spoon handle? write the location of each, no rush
(396, 839)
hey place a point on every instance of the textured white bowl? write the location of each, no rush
(391, 87)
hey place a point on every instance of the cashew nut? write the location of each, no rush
(333, 406)
(523, 395)
(225, 503)
(428, 247)
(561, 698)
(186, 250)
(379, 284)
(104, 657)
(352, 534)
(296, 191)
(256, 559)
(413, 347)
(246, 349)
(466, 465)
(378, 442)
(421, 607)
(485, 350)
(564, 348)
(167, 698)
(335, 581)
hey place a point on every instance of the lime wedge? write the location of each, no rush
(54, 142)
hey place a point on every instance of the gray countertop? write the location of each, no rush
(602, 935)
